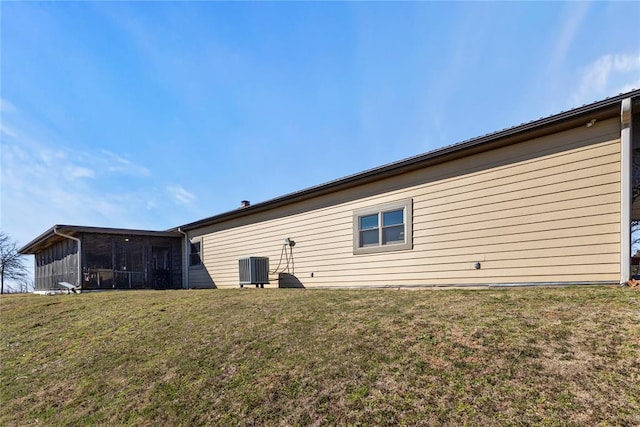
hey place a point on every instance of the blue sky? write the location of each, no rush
(154, 114)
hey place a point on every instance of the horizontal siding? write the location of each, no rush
(546, 210)
(463, 265)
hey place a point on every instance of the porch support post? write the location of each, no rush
(625, 190)
(185, 257)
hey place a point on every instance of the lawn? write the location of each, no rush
(535, 356)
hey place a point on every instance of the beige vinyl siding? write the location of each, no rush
(545, 210)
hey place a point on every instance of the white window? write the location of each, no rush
(383, 228)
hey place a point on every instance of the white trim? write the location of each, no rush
(625, 190)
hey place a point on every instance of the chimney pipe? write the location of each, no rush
(245, 204)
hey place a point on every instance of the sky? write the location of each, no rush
(150, 115)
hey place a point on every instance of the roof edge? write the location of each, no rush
(30, 248)
(607, 107)
(26, 249)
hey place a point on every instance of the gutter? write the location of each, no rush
(185, 258)
(56, 232)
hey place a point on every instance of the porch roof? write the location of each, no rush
(50, 237)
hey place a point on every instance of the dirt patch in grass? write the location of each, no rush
(551, 356)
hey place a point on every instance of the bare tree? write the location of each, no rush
(22, 286)
(26, 285)
(11, 266)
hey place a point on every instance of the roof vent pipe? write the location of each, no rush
(245, 204)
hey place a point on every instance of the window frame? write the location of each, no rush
(407, 207)
(197, 240)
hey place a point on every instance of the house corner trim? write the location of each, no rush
(625, 190)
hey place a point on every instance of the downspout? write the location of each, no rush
(625, 190)
(55, 231)
(185, 258)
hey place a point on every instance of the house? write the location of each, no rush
(546, 202)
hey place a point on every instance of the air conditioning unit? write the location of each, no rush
(254, 270)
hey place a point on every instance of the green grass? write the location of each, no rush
(546, 356)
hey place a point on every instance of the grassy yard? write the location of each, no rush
(548, 356)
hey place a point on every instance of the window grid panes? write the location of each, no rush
(368, 222)
(383, 228)
(393, 227)
(369, 231)
(391, 231)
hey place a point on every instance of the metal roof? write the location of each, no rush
(49, 236)
(599, 110)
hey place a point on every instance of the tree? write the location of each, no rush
(22, 286)
(11, 266)
(25, 285)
